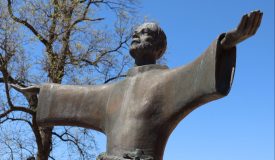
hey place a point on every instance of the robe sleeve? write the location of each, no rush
(207, 78)
(72, 105)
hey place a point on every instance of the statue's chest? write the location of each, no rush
(137, 98)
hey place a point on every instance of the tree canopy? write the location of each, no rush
(57, 41)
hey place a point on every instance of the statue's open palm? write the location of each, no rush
(29, 91)
(247, 28)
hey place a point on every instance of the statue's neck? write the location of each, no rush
(141, 62)
(145, 58)
(141, 69)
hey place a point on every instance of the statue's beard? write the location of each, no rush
(141, 48)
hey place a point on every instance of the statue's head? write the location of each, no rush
(148, 44)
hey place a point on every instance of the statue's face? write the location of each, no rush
(148, 44)
(143, 40)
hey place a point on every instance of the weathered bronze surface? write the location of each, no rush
(139, 113)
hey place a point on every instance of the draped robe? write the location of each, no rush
(141, 111)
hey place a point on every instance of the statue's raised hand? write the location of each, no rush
(29, 91)
(247, 28)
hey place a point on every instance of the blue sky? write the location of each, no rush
(241, 125)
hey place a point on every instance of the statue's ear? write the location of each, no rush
(160, 50)
(160, 44)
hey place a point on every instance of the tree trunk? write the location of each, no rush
(46, 138)
(56, 72)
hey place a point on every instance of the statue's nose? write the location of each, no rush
(135, 35)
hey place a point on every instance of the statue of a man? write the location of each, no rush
(139, 113)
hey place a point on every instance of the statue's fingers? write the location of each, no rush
(251, 19)
(31, 89)
(258, 23)
(254, 23)
(16, 87)
(13, 86)
(242, 23)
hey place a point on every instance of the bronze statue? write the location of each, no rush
(139, 113)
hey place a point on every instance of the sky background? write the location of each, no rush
(241, 125)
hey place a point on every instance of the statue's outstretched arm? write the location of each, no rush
(210, 76)
(68, 105)
(72, 105)
(247, 28)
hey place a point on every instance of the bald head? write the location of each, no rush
(148, 44)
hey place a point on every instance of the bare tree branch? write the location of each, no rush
(12, 107)
(114, 78)
(69, 138)
(37, 134)
(60, 26)
(86, 19)
(13, 81)
(20, 119)
(4, 120)
(25, 23)
(52, 34)
(84, 15)
(5, 114)
(11, 150)
(102, 54)
(16, 108)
